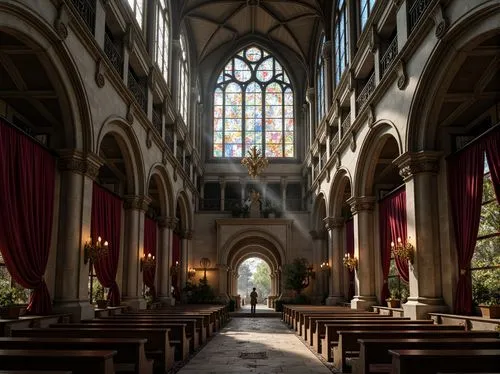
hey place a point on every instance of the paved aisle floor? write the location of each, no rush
(255, 345)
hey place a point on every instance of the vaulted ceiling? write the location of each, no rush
(285, 24)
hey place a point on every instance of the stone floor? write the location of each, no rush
(255, 345)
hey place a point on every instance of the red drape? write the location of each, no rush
(150, 233)
(106, 223)
(465, 186)
(492, 147)
(398, 228)
(349, 238)
(176, 258)
(385, 248)
(27, 180)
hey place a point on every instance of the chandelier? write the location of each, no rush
(350, 262)
(148, 262)
(403, 250)
(94, 251)
(255, 162)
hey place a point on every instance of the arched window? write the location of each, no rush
(320, 81)
(138, 10)
(253, 106)
(183, 80)
(365, 8)
(340, 40)
(162, 38)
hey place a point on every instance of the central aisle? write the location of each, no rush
(236, 348)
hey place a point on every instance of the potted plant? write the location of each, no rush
(10, 302)
(394, 301)
(101, 302)
(236, 210)
(487, 297)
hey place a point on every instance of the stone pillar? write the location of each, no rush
(335, 227)
(311, 101)
(317, 238)
(163, 259)
(242, 186)
(223, 269)
(186, 249)
(135, 208)
(362, 209)
(273, 284)
(222, 183)
(77, 174)
(419, 171)
(284, 184)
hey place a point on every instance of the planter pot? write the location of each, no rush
(490, 311)
(11, 311)
(102, 304)
(393, 303)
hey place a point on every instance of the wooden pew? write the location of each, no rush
(130, 353)
(79, 362)
(305, 325)
(332, 332)
(158, 346)
(301, 316)
(34, 372)
(428, 361)
(374, 353)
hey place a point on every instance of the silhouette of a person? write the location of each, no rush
(253, 301)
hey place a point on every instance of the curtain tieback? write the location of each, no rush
(463, 271)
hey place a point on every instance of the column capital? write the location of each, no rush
(171, 222)
(222, 181)
(326, 52)
(411, 163)
(362, 203)
(332, 223)
(188, 234)
(137, 202)
(83, 163)
(310, 95)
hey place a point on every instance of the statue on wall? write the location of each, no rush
(254, 204)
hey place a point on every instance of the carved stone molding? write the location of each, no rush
(326, 52)
(310, 95)
(61, 21)
(362, 203)
(175, 173)
(440, 21)
(420, 162)
(129, 37)
(79, 162)
(352, 80)
(130, 114)
(149, 138)
(338, 161)
(402, 75)
(374, 41)
(328, 175)
(371, 115)
(99, 73)
(188, 234)
(162, 222)
(171, 222)
(137, 202)
(164, 157)
(152, 77)
(332, 223)
(352, 142)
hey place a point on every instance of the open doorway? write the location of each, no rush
(254, 272)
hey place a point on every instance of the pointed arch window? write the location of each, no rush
(253, 106)
(162, 38)
(137, 7)
(320, 81)
(340, 40)
(183, 80)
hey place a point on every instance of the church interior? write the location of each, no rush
(156, 146)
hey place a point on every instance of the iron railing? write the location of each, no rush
(316, 170)
(169, 138)
(138, 91)
(323, 160)
(366, 92)
(86, 10)
(346, 124)
(114, 54)
(415, 13)
(157, 121)
(334, 142)
(389, 56)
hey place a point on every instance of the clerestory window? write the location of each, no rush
(162, 38)
(137, 7)
(341, 56)
(320, 82)
(183, 81)
(253, 106)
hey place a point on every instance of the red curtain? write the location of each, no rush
(176, 258)
(465, 187)
(106, 223)
(349, 238)
(148, 274)
(492, 147)
(27, 181)
(385, 248)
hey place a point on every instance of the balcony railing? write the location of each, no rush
(323, 160)
(86, 10)
(346, 124)
(366, 92)
(138, 90)
(179, 156)
(157, 121)
(316, 171)
(415, 13)
(114, 54)
(187, 167)
(169, 138)
(210, 204)
(334, 142)
(389, 56)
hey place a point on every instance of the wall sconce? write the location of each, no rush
(175, 269)
(350, 262)
(148, 262)
(403, 250)
(325, 267)
(94, 252)
(191, 273)
(205, 263)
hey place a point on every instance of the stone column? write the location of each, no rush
(135, 208)
(419, 171)
(311, 101)
(273, 284)
(222, 183)
(284, 184)
(335, 227)
(242, 186)
(362, 209)
(77, 173)
(223, 269)
(317, 258)
(163, 260)
(186, 249)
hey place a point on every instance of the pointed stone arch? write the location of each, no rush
(166, 195)
(183, 206)
(342, 181)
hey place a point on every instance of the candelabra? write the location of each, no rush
(403, 250)
(175, 269)
(205, 263)
(191, 273)
(148, 262)
(350, 262)
(325, 267)
(94, 251)
(255, 162)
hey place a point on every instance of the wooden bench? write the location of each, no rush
(374, 353)
(79, 362)
(332, 334)
(428, 361)
(177, 332)
(210, 318)
(301, 316)
(308, 320)
(158, 346)
(130, 352)
(34, 372)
